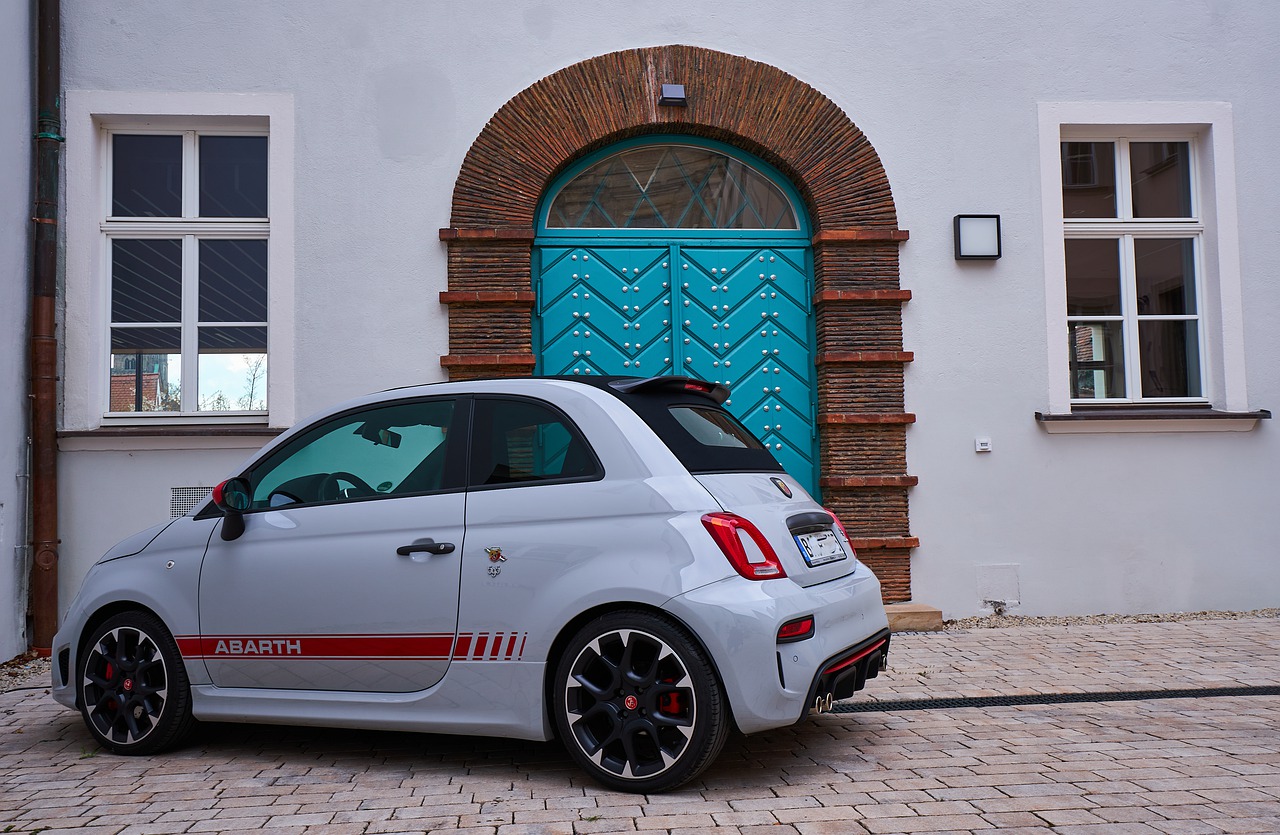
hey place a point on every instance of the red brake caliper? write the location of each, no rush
(672, 704)
(109, 674)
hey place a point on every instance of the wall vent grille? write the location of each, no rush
(183, 499)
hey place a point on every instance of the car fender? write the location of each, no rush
(163, 578)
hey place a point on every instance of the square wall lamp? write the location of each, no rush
(977, 237)
(672, 95)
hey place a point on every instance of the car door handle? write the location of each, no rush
(425, 546)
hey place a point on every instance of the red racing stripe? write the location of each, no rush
(431, 646)
(421, 647)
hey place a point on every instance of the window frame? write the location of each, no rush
(779, 180)
(1126, 230)
(191, 229)
(91, 117)
(1208, 125)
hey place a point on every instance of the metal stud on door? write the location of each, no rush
(733, 314)
(748, 326)
(599, 308)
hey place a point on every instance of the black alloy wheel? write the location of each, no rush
(637, 703)
(134, 693)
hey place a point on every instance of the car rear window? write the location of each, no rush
(703, 436)
(713, 427)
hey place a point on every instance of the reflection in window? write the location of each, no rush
(1093, 277)
(233, 176)
(188, 291)
(1132, 285)
(1097, 360)
(713, 427)
(671, 187)
(1161, 173)
(1088, 179)
(146, 175)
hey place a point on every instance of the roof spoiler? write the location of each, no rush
(716, 391)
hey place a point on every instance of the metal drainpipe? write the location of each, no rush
(44, 339)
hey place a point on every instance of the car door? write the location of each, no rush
(346, 576)
(537, 510)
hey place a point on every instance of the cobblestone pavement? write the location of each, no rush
(1175, 766)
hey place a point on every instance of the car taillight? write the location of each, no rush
(752, 557)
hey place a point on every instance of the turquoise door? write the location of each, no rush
(727, 300)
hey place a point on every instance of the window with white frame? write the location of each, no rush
(187, 230)
(1133, 246)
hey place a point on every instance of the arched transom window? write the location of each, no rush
(671, 186)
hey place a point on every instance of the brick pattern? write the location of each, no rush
(766, 112)
(1120, 768)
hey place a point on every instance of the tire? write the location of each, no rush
(637, 703)
(134, 694)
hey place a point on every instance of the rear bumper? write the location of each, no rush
(769, 683)
(845, 673)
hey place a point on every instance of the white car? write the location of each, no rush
(616, 562)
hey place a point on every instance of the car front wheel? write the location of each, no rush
(637, 703)
(134, 693)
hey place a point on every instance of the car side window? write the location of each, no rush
(390, 450)
(527, 442)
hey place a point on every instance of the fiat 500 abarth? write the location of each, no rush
(618, 563)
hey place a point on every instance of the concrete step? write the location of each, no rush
(913, 617)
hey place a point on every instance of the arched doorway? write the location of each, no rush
(679, 255)
(858, 358)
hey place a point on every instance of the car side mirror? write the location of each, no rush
(232, 497)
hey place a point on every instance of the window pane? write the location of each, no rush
(233, 281)
(146, 281)
(233, 176)
(669, 187)
(712, 427)
(1170, 354)
(232, 382)
(232, 369)
(146, 370)
(1088, 179)
(146, 176)
(1093, 277)
(1161, 178)
(1097, 359)
(397, 449)
(1166, 276)
(521, 442)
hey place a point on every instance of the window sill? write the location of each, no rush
(168, 436)
(1132, 419)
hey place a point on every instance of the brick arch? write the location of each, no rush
(782, 120)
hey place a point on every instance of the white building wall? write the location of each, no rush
(16, 103)
(388, 99)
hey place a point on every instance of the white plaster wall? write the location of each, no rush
(390, 95)
(17, 104)
(110, 489)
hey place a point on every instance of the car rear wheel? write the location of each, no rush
(134, 693)
(637, 703)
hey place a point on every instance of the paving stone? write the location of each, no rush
(1203, 766)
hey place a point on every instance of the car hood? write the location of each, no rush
(131, 545)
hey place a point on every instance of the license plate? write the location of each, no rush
(820, 548)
